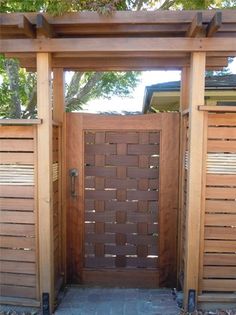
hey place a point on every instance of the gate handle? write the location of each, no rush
(73, 172)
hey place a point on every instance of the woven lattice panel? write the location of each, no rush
(121, 199)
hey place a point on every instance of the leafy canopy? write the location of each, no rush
(18, 87)
(58, 7)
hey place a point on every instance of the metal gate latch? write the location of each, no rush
(73, 172)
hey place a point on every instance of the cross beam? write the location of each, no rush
(119, 45)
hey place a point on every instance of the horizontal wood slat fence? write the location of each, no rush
(118, 170)
(19, 257)
(18, 218)
(217, 274)
(219, 244)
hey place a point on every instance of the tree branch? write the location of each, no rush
(138, 4)
(89, 85)
(31, 107)
(74, 84)
(167, 4)
(72, 102)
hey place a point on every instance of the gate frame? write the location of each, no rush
(199, 41)
(166, 124)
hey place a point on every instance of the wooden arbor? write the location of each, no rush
(186, 40)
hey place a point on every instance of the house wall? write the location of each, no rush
(170, 101)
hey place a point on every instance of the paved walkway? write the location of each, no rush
(116, 301)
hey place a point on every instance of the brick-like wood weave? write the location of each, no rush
(121, 199)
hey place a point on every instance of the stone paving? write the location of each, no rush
(117, 301)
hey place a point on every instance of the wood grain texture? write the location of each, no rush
(44, 176)
(219, 285)
(195, 172)
(17, 217)
(16, 145)
(18, 291)
(120, 45)
(18, 267)
(16, 204)
(18, 255)
(18, 240)
(17, 229)
(120, 161)
(169, 171)
(118, 193)
(75, 214)
(121, 17)
(219, 259)
(16, 158)
(222, 119)
(12, 279)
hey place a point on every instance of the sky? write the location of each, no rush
(135, 102)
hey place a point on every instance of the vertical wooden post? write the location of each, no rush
(58, 95)
(58, 117)
(45, 207)
(184, 105)
(195, 163)
(168, 198)
(184, 89)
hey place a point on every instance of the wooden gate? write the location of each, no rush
(122, 199)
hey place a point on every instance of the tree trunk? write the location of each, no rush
(12, 69)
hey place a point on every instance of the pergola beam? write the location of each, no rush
(26, 27)
(122, 29)
(214, 25)
(121, 17)
(118, 45)
(43, 27)
(196, 26)
(127, 24)
(152, 54)
(122, 64)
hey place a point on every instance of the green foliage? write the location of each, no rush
(223, 72)
(92, 85)
(5, 92)
(59, 7)
(26, 83)
(116, 83)
(83, 86)
(22, 6)
(204, 4)
(180, 4)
